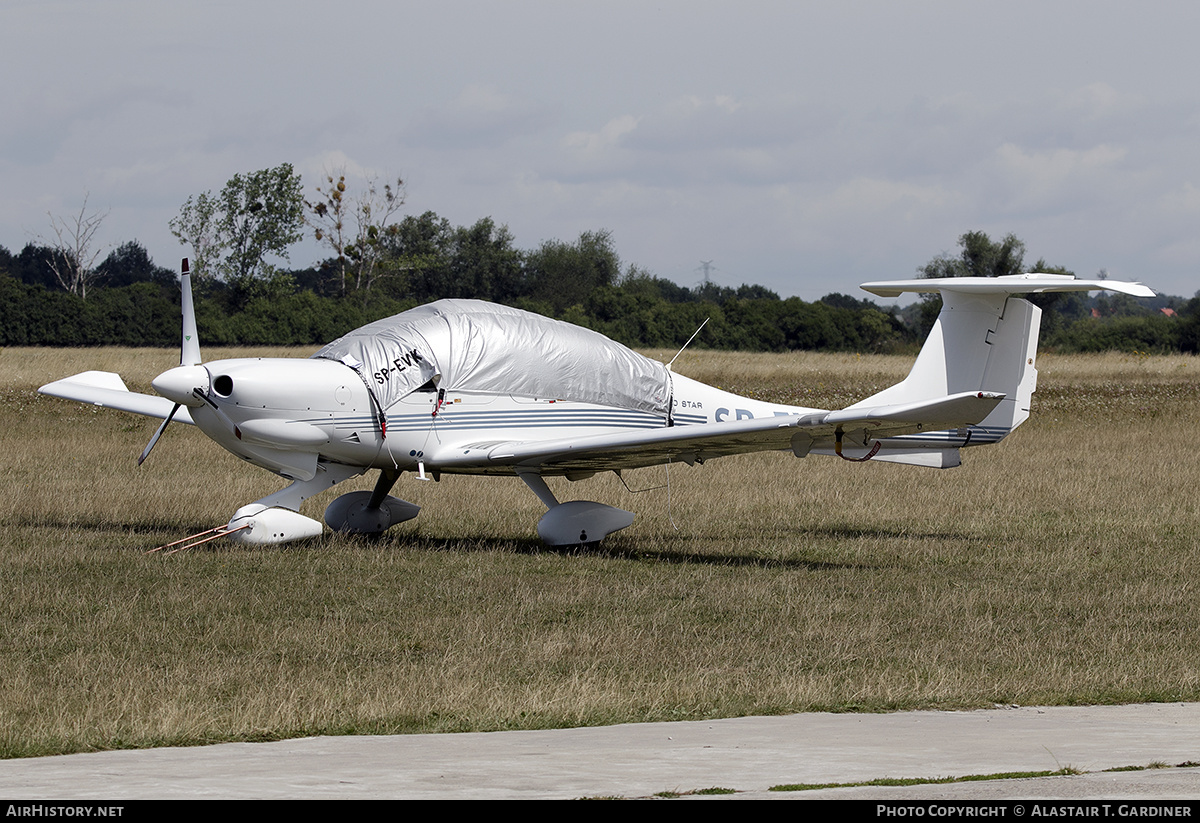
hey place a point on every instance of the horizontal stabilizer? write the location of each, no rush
(955, 410)
(106, 389)
(1032, 283)
(929, 458)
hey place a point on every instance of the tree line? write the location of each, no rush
(381, 263)
(136, 303)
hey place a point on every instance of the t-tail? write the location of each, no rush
(985, 339)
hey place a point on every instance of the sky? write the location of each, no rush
(804, 146)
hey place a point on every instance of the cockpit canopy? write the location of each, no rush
(473, 345)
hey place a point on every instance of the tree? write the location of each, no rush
(563, 274)
(373, 212)
(73, 254)
(360, 252)
(256, 215)
(30, 267)
(980, 257)
(421, 248)
(130, 263)
(484, 263)
(263, 213)
(638, 280)
(845, 301)
(1189, 332)
(197, 226)
(328, 220)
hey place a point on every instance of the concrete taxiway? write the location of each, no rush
(747, 754)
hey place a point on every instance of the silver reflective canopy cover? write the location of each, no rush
(473, 345)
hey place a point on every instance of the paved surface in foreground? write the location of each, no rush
(748, 754)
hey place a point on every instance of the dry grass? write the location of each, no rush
(1057, 567)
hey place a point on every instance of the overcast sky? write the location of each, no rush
(804, 146)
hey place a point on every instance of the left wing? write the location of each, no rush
(102, 388)
(697, 443)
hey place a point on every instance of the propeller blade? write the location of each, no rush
(189, 350)
(146, 451)
(189, 355)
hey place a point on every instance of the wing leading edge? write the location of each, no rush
(102, 388)
(691, 444)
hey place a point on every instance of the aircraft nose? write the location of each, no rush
(178, 383)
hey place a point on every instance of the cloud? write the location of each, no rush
(1100, 100)
(1055, 178)
(480, 117)
(894, 198)
(594, 145)
(693, 142)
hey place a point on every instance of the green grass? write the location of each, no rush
(715, 790)
(1056, 568)
(921, 781)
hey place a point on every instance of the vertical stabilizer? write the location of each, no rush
(984, 339)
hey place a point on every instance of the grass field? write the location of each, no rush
(1060, 566)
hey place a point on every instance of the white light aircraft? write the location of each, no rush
(469, 387)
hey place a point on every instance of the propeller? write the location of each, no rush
(187, 383)
(202, 396)
(163, 427)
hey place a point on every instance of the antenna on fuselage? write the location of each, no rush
(685, 345)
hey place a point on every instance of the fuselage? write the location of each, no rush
(285, 414)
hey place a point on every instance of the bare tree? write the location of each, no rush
(360, 251)
(329, 220)
(73, 257)
(373, 212)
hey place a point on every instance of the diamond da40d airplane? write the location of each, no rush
(469, 387)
